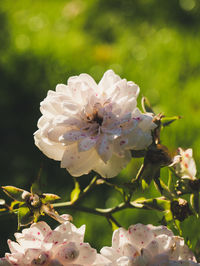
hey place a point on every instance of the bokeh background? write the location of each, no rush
(42, 43)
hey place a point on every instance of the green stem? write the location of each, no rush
(139, 174)
(86, 190)
(99, 211)
(111, 218)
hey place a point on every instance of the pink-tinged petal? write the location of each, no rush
(70, 107)
(42, 122)
(114, 166)
(140, 235)
(101, 261)
(165, 242)
(153, 247)
(108, 80)
(50, 108)
(79, 163)
(39, 230)
(104, 148)
(87, 143)
(89, 80)
(62, 88)
(50, 149)
(119, 239)
(15, 258)
(70, 232)
(110, 253)
(128, 105)
(132, 89)
(160, 230)
(14, 247)
(53, 238)
(63, 120)
(72, 136)
(54, 133)
(87, 255)
(126, 261)
(80, 90)
(146, 256)
(138, 139)
(181, 251)
(36, 233)
(119, 145)
(145, 121)
(129, 250)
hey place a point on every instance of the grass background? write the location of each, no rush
(42, 43)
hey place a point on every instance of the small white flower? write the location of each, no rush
(147, 245)
(39, 245)
(92, 127)
(184, 164)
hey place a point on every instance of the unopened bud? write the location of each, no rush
(180, 209)
(35, 200)
(26, 195)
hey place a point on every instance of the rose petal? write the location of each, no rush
(79, 163)
(113, 166)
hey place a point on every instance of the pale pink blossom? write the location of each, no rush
(184, 164)
(40, 245)
(147, 245)
(89, 126)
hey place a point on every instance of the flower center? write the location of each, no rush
(97, 118)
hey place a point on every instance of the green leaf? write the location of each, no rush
(171, 181)
(146, 106)
(114, 226)
(25, 216)
(194, 200)
(47, 198)
(168, 216)
(177, 225)
(159, 204)
(165, 191)
(35, 189)
(15, 193)
(75, 192)
(166, 121)
(145, 185)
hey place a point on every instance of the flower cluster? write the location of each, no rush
(89, 126)
(147, 245)
(140, 245)
(39, 245)
(184, 164)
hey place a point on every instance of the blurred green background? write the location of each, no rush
(42, 43)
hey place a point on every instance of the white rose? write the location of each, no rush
(92, 127)
(39, 245)
(147, 245)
